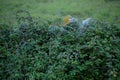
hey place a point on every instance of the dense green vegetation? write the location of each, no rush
(35, 51)
(35, 46)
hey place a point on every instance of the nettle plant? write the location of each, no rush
(36, 50)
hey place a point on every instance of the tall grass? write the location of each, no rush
(48, 9)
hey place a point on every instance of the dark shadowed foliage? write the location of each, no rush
(30, 51)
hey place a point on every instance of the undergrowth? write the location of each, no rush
(35, 51)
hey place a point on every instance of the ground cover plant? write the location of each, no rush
(35, 50)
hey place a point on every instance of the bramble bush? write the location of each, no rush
(31, 51)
